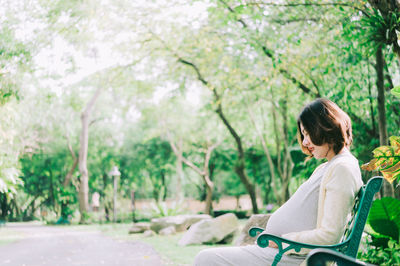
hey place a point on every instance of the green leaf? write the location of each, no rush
(396, 91)
(384, 217)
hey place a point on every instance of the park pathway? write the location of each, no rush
(63, 246)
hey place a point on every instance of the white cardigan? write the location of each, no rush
(339, 187)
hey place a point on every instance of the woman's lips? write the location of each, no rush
(311, 149)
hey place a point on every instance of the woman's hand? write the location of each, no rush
(272, 244)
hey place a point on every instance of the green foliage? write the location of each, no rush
(13, 55)
(9, 179)
(68, 200)
(383, 247)
(396, 91)
(381, 30)
(380, 255)
(162, 209)
(86, 218)
(43, 175)
(148, 164)
(258, 57)
(384, 217)
(239, 214)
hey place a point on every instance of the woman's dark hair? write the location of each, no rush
(325, 122)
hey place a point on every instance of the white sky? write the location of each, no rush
(56, 60)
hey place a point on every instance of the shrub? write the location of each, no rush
(239, 214)
(161, 209)
(380, 255)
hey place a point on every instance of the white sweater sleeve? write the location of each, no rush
(340, 190)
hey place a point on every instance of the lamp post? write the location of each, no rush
(115, 174)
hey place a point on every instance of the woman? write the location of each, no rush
(318, 211)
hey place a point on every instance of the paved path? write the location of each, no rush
(62, 246)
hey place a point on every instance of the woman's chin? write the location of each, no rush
(317, 156)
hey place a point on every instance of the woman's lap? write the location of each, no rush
(244, 255)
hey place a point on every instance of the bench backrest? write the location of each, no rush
(361, 209)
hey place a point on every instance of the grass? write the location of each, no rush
(8, 235)
(166, 246)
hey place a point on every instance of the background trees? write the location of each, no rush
(198, 98)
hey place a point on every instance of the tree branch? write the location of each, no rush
(196, 69)
(71, 171)
(305, 4)
(233, 12)
(270, 54)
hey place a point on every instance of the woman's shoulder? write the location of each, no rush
(345, 159)
(344, 169)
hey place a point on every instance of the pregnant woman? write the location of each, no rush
(317, 212)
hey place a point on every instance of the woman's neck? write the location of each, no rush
(330, 154)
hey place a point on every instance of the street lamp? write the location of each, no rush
(115, 174)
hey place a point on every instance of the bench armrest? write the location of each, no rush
(284, 245)
(255, 230)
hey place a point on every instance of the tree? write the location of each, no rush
(83, 151)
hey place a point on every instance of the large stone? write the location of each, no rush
(148, 233)
(139, 228)
(220, 229)
(170, 230)
(256, 220)
(180, 222)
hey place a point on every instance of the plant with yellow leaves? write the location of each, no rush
(386, 160)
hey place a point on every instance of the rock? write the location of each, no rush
(139, 228)
(220, 229)
(180, 222)
(148, 233)
(256, 220)
(170, 230)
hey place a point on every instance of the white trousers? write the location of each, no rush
(251, 255)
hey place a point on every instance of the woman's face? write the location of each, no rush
(319, 152)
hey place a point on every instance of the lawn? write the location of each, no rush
(166, 246)
(8, 235)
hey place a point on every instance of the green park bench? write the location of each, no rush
(352, 235)
(322, 257)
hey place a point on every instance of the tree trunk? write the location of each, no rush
(71, 171)
(388, 190)
(383, 139)
(209, 193)
(240, 171)
(240, 168)
(287, 163)
(163, 185)
(240, 164)
(83, 151)
(204, 173)
(284, 160)
(179, 170)
(273, 179)
(3, 206)
(371, 105)
(207, 178)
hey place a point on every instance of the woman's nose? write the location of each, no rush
(305, 141)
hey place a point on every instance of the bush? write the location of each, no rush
(161, 209)
(239, 214)
(380, 255)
